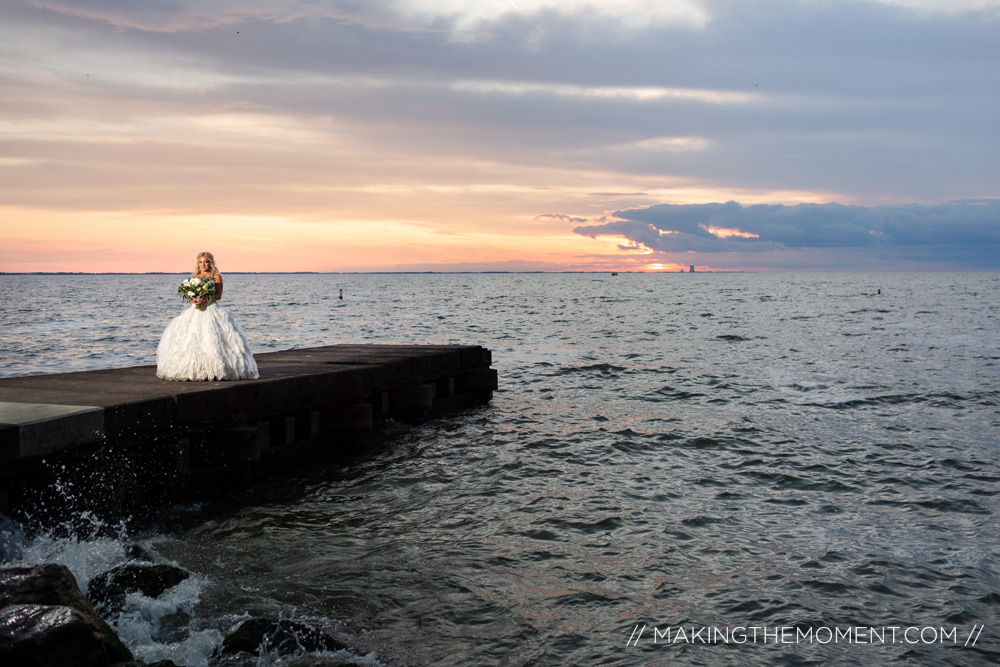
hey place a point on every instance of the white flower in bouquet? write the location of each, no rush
(198, 288)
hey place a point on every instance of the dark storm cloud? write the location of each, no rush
(966, 232)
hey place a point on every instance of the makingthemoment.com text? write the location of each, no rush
(762, 634)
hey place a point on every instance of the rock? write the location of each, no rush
(108, 590)
(39, 601)
(40, 635)
(50, 584)
(283, 635)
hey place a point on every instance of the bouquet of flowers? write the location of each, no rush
(198, 288)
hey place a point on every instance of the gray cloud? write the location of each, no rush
(870, 102)
(560, 216)
(961, 233)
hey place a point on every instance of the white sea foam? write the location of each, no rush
(82, 549)
(153, 629)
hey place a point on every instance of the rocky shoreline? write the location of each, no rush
(46, 620)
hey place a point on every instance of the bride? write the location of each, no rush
(204, 342)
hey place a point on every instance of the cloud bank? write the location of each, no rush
(961, 233)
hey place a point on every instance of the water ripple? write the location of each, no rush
(719, 450)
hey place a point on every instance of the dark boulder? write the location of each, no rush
(50, 583)
(285, 636)
(108, 590)
(45, 615)
(40, 635)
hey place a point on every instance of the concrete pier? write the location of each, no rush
(122, 437)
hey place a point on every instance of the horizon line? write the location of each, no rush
(359, 273)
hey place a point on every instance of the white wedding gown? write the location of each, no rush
(204, 345)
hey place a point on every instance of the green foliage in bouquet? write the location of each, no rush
(198, 288)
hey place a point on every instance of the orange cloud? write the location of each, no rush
(723, 232)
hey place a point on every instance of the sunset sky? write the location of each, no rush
(367, 135)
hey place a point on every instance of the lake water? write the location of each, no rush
(666, 453)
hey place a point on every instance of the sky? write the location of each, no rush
(500, 135)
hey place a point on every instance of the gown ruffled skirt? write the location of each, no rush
(204, 345)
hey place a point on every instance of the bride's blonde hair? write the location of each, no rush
(211, 263)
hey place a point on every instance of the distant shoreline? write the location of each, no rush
(446, 273)
(328, 273)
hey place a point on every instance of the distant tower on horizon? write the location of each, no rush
(691, 270)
